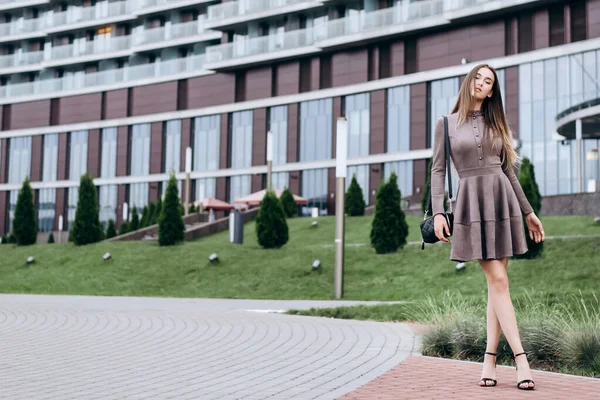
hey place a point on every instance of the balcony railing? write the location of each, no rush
(232, 9)
(76, 15)
(170, 32)
(103, 78)
(21, 59)
(21, 27)
(85, 48)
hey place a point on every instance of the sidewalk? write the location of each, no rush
(425, 378)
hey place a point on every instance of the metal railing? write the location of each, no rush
(21, 26)
(102, 78)
(170, 32)
(222, 11)
(21, 59)
(76, 15)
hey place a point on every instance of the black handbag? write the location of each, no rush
(427, 225)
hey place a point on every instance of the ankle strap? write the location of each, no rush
(520, 354)
(491, 354)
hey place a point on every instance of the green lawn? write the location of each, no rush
(144, 269)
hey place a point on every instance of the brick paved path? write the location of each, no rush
(62, 347)
(425, 378)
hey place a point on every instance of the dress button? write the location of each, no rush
(478, 145)
(481, 158)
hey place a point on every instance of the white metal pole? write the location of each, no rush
(269, 161)
(60, 228)
(188, 170)
(340, 189)
(579, 145)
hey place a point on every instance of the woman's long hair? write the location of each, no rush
(493, 113)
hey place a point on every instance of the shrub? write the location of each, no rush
(156, 213)
(124, 228)
(290, 207)
(87, 227)
(111, 230)
(144, 220)
(135, 220)
(171, 229)
(354, 201)
(191, 209)
(51, 238)
(151, 211)
(12, 239)
(25, 228)
(271, 225)
(389, 229)
(532, 192)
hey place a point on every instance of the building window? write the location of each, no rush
(108, 193)
(542, 95)
(357, 113)
(140, 165)
(361, 172)
(47, 197)
(314, 189)
(398, 119)
(442, 97)
(206, 153)
(78, 149)
(316, 130)
(239, 186)
(172, 146)
(404, 171)
(279, 128)
(19, 167)
(241, 140)
(280, 180)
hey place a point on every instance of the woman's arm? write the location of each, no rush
(523, 202)
(438, 169)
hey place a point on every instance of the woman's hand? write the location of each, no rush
(440, 225)
(536, 230)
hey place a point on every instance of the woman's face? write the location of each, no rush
(483, 84)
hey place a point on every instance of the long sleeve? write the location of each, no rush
(523, 202)
(438, 169)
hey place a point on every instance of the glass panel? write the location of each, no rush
(19, 159)
(278, 127)
(442, 96)
(78, 150)
(50, 156)
(241, 140)
(138, 196)
(173, 146)
(206, 187)
(314, 188)
(108, 204)
(357, 113)
(280, 180)
(362, 177)
(240, 186)
(140, 150)
(316, 130)
(46, 210)
(398, 119)
(108, 164)
(206, 143)
(404, 171)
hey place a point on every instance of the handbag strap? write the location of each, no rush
(448, 170)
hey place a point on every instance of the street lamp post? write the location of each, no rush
(269, 161)
(578, 138)
(340, 189)
(188, 170)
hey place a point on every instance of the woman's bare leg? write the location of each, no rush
(493, 337)
(499, 297)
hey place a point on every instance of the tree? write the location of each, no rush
(156, 214)
(25, 227)
(51, 238)
(144, 221)
(354, 201)
(87, 227)
(135, 220)
(389, 229)
(151, 211)
(192, 209)
(111, 229)
(171, 229)
(532, 192)
(288, 202)
(271, 225)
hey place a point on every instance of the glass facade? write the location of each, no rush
(398, 119)
(47, 197)
(278, 125)
(404, 171)
(547, 88)
(316, 130)
(241, 154)
(78, 150)
(140, 164)
(357, 113)
(314, 189)
(362, 177)
(172, 146)
(207, 132)
(19, 168)
(108, 169)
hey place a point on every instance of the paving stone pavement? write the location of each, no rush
(67, 347)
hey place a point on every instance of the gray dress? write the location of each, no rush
(490, 202)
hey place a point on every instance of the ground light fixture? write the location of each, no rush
(106, 256)
(315, 224)
(461, 266)
(30, 260)
(316, 265)
(214, 258)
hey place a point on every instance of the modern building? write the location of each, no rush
(120, 89)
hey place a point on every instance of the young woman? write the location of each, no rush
(489, 205)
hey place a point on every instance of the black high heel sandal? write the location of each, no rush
(527, 381)
(486, 380)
